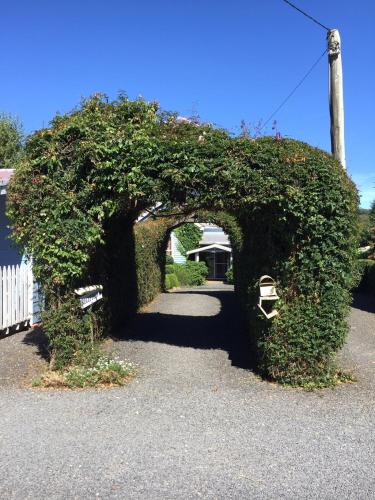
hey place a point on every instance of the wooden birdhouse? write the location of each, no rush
(267, 293)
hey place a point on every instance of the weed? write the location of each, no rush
(95, 369)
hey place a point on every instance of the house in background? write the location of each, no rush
(214, 249)
(173, 249)
(19, 296)
(9, 254)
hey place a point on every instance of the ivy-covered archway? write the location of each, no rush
(289, 209)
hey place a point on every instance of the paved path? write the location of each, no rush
(195, 423)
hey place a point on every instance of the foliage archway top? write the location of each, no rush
(107, 159)
(106, 162)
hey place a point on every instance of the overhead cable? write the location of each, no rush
(294, 90)
(307, 15)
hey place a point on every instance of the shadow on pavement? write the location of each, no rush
(223, 331)
(364, 302)
(36, 337)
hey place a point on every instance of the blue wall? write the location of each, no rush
(9, 255)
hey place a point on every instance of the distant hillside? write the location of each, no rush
(363, 216)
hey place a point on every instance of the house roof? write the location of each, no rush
(214, 238)
(210, 247)
(213, 234)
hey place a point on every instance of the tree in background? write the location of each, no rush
(371, 215)
(189, 236)
(11, 140)
(371, 218)
(364, 227)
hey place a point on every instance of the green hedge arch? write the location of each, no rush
(289, 208)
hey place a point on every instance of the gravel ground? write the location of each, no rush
(22, 355)
(195, 423)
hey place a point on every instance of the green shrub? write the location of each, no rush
(197, 271)
(167, 281)
(169, 268)
(181, 271)
(169, 259)
(173, 280)
(229, 276)
(69, 330)
(150, 239)
(191, 273)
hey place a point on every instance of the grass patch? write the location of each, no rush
(91, 369)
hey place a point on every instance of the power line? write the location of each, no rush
(307, 15)
(294, 90)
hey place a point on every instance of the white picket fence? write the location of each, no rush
(14, 295)
(21, 299)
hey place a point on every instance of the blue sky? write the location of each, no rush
(224, 60)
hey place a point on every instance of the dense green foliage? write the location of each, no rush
(189, 236)
(181, 273)
(290, 211)
(171, 281)
(198, 272)
(150, 241)
(189, 274)
(68, 331)
(169, 259)
(11, 137)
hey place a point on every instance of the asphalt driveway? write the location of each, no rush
(196, 422)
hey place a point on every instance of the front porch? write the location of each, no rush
(217, 257)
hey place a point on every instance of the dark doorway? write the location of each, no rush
(218, 263)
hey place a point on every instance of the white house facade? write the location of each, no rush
(214, 249)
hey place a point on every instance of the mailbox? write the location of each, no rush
(267, 292)
(88, 295)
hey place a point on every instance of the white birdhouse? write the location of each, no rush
(267, 292)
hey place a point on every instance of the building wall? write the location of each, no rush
(9, 254)
(177, 256)
(211, 234)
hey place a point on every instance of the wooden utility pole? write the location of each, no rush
(336, 97)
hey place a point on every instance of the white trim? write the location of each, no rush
(88, 295)
(214, 245)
